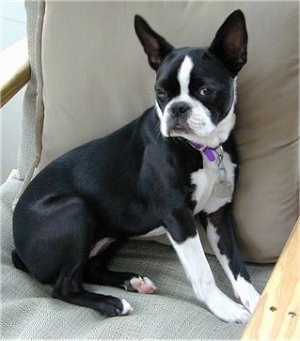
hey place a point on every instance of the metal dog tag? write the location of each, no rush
(223, 189)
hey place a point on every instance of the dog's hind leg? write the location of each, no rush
(18, 262)
(220, 228)
(125, 280)
(59, 234)
(77, 239)
(96, 272)
(69, 288)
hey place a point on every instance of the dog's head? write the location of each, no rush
(195, 87)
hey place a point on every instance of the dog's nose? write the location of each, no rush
(179, 109)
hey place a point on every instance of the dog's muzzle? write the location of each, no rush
(177, 118)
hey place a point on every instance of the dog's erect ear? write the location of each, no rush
(155, 46)
(230, 43)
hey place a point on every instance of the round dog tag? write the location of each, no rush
(223, 189)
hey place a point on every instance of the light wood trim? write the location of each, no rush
(277, 313)
(15, 70)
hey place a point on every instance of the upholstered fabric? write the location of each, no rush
(89, 76)
(96, 78)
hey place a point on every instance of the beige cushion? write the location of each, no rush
(96, 78)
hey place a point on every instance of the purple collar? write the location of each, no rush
(208, 152)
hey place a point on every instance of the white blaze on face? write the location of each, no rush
(184, 75)
(202, 129)
(199, 120)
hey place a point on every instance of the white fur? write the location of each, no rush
(246, 293)
(202, 129)
(100, 246)
(127, 308)
(184, 74)
(159, 113)
(192, 257)
(143, 285)
(154, 233)
(243, 290)
(217, 136)
(205, 180)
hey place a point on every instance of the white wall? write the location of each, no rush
(13, 28)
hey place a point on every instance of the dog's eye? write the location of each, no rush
(205, 91)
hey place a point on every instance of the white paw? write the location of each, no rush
(246, 293)
(127, 308)
(235, 313)
(226, 309)
(143, 285)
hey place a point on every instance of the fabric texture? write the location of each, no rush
(82, 88)
(96, 78)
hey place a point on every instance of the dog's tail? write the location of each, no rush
(18, 262)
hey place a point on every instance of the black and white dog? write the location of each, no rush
(154, 175)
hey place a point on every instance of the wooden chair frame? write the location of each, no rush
(277, 313)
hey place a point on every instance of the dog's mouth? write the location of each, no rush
(177, 126)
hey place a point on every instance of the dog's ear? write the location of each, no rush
(230, 43)
(155, 46)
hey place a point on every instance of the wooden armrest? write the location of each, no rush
(15, 70)
(277, 313)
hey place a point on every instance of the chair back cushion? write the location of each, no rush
(95, 78)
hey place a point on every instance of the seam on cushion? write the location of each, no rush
(39, 108)
(39, 114)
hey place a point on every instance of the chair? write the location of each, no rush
(81, 54)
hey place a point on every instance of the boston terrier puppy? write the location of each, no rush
(158, 174)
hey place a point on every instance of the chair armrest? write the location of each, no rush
(277, 313)
(15, 70)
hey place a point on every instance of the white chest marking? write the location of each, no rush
(205, 180)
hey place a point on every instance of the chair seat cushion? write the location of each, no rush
(29, 311)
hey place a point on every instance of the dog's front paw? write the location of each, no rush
(249, 299)
(226, 309)
(246, 293)
(237, 314)
(232, 313)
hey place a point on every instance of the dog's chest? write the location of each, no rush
(210, 192)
